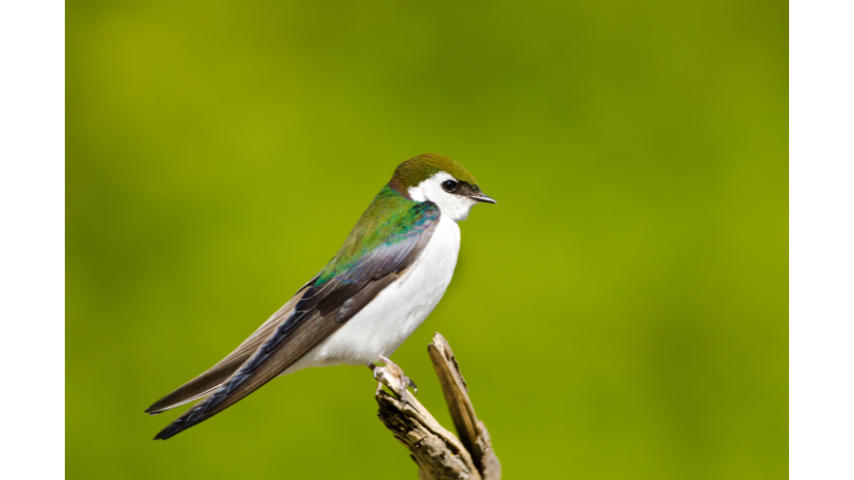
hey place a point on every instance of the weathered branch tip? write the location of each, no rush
(439, 454)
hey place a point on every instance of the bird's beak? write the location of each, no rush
(482, 197)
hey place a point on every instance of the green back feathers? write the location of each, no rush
(389, 219)
(417, 169)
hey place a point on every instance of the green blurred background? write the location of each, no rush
(621, 313)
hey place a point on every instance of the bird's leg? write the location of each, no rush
(374, 368)
(392, 375)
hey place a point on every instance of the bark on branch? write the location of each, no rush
(439, 454)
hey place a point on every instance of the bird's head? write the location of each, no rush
(441, 180)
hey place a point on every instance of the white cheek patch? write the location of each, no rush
(417, 194)
(455, 206)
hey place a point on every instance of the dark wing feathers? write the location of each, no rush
(213, 377)
(320, 310)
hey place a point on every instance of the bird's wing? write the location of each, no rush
(212, 378)
(323, 307)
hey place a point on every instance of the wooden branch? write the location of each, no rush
(439, 454)
(472, 431)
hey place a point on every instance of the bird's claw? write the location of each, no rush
(392, 376)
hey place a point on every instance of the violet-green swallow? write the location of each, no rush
(384, 281)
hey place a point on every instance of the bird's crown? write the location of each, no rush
(418, 169)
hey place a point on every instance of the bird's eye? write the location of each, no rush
(449, 185)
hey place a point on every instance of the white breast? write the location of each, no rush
(383, 324)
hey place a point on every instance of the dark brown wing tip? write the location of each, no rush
(158, 406)
(170, 431)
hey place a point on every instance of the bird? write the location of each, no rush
(384, 281)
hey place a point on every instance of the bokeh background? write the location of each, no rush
(621, 313)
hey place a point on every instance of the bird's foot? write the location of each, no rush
(392, 376)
